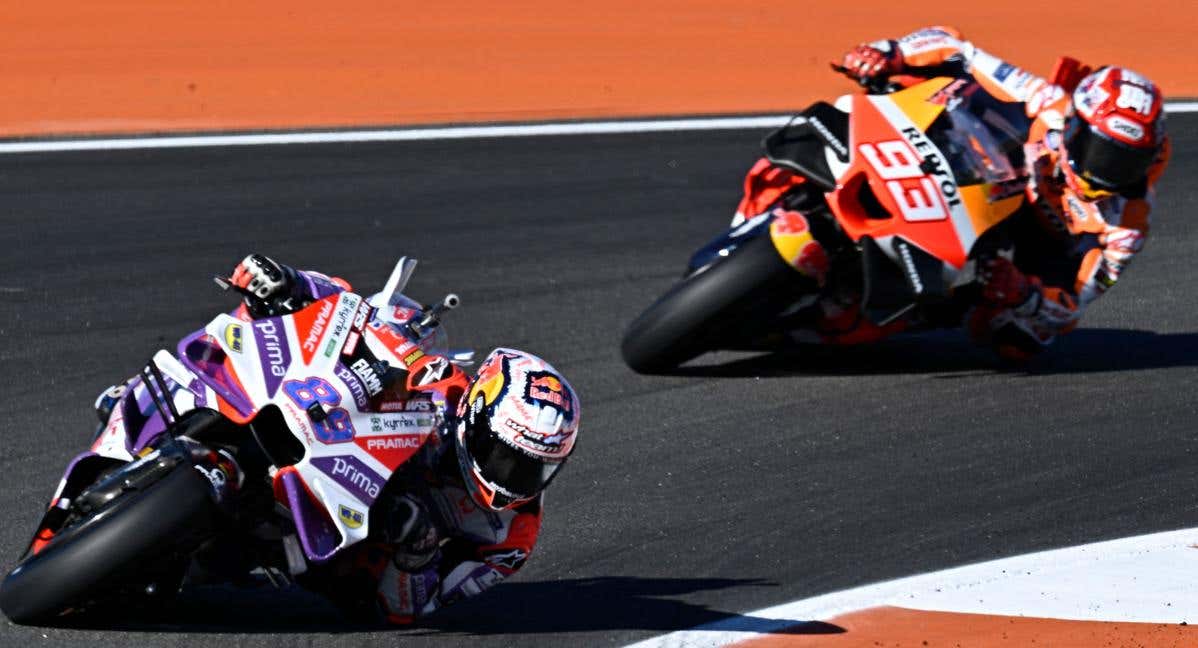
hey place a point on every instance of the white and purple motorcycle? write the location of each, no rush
(259, 436)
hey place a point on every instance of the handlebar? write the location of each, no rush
(432, 317)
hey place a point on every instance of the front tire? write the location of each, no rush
(731, 296)
(173, 514)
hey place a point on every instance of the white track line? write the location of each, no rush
(424, 134)
(1146, 579)
(398, 134)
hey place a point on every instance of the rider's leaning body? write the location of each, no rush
(1093, 153)
(464, 513)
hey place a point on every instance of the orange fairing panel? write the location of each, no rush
(886, 190)
(918, 102)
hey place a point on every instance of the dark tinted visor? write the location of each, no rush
(1102, 161)
(513, 471)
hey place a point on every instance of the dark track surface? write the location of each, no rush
(753, 482)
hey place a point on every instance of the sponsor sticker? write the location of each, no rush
(298, 420)
(342, 320)
(393, 438)
(842, 151)
(398, 422)
(273, 351)
(352, 518)
(233, 337)
(1125, 127)
(411, 405)
(356, 390)
(352, 474)
(351, 343)
(356, 328)
(317, 328)
(397, 442)
(369, 377)
(544, 388)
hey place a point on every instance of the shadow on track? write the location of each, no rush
(573, 605)
(951, 353)
(607, 604)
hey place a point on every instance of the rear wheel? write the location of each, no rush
(719, 306)
(120, 545)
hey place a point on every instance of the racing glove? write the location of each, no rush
(410, 532)
(269, 287)
(869, 61)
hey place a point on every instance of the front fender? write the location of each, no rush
(724, 244)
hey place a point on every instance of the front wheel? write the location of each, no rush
(114, 546)
(733, 296)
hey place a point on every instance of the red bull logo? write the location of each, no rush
(544, 388)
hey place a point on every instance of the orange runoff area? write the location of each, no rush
(894, 627)
(147, 65)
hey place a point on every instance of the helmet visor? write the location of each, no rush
(1103, 162)
(510, 471)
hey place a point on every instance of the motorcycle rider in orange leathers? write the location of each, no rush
(1095, 148)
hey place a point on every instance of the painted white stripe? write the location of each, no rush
(1145, 579)
(399, 134)
(423, 134)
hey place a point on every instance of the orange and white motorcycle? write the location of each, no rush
(864, 218)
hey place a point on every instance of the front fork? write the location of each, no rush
(110, 479)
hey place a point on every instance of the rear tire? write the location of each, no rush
(745, 289)
(173, 514)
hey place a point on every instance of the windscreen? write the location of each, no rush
(982, 138)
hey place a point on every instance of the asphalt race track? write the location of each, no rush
(751, 481)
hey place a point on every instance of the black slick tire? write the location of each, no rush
(84, 558)
(727, 296)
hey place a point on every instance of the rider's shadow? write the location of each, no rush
(601, 604)
(951, 353)
(610, 603)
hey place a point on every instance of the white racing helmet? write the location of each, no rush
(517, 425)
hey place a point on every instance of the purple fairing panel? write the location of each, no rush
(318, 536)
(319, 285)
(143, 422)
(207, 362)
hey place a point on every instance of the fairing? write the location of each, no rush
(296, 363)
(899, 181)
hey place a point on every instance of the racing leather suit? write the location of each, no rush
(1092, 241)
